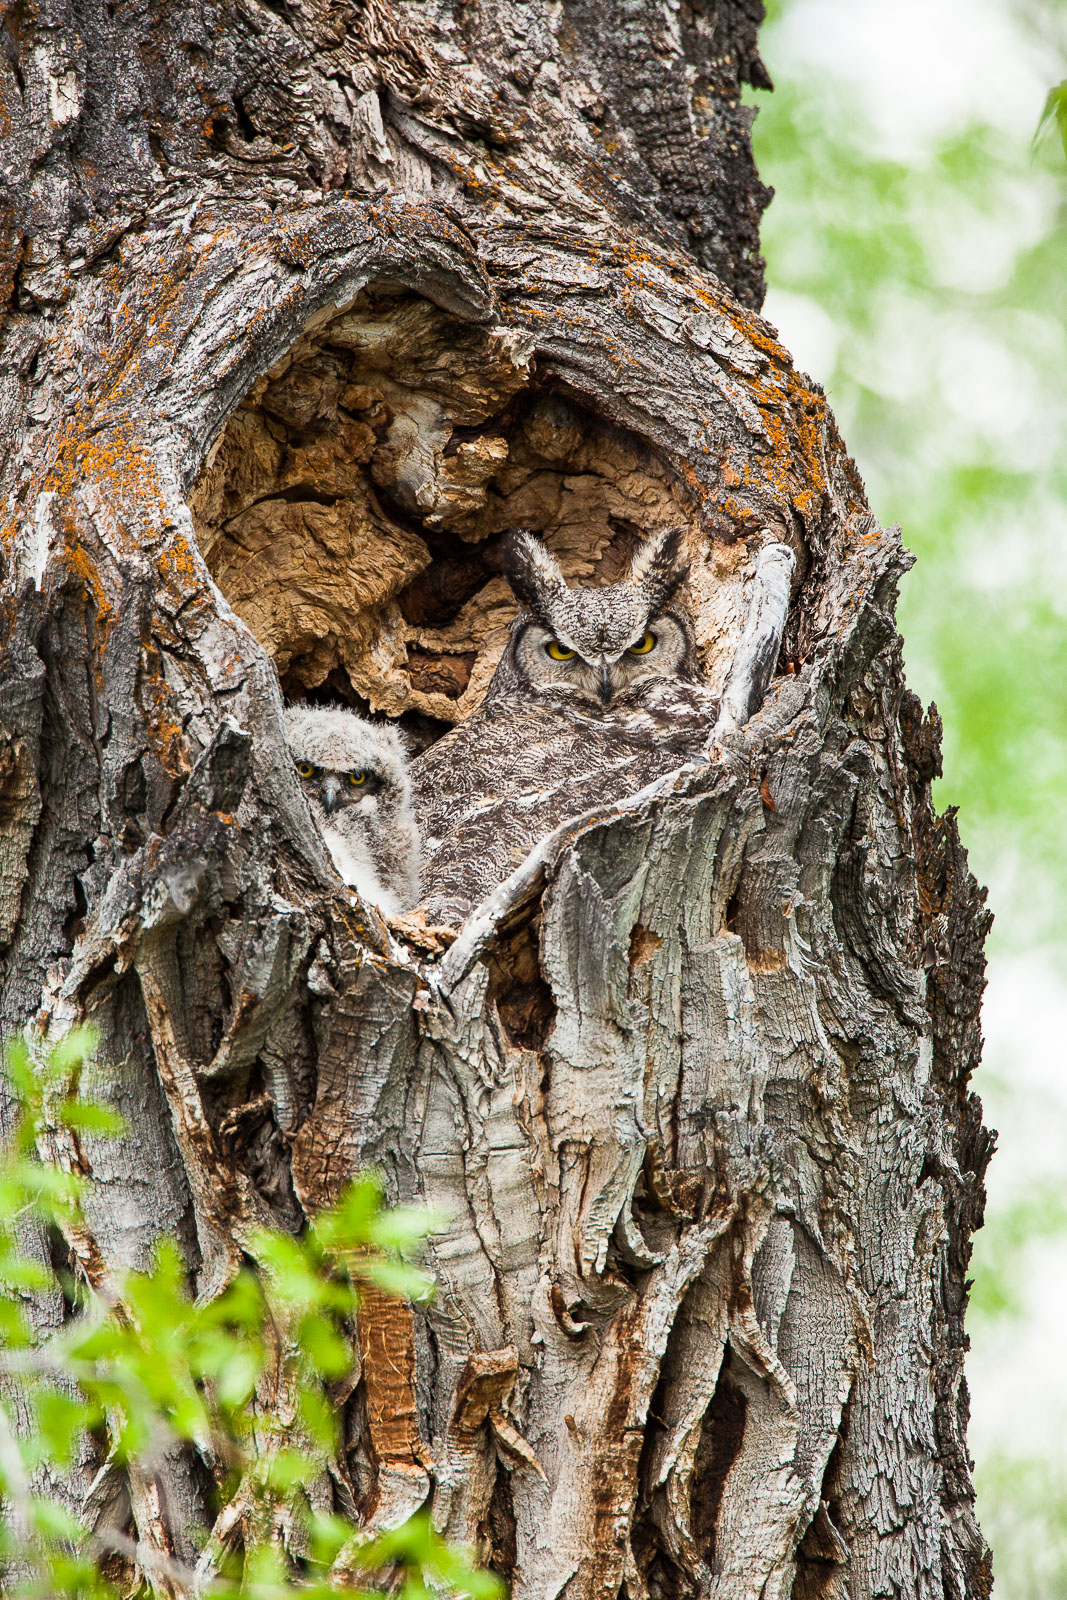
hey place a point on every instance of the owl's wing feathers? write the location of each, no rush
(492, 788)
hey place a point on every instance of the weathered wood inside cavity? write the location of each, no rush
(693, 1084)
(351, 509)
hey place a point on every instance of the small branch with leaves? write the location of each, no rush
(246, 1380)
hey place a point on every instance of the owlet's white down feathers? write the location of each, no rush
(355, 779)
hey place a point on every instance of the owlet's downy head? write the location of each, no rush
(354, 775)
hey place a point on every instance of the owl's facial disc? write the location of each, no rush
(596, 664)
(601, 665)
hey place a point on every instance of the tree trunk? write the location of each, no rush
(307, 303)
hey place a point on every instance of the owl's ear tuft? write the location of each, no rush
(531, 569)
(656, 569)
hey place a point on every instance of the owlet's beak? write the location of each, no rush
(331, 795)
(604, 686)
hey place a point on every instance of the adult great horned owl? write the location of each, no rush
(354, 775)
(598, 692)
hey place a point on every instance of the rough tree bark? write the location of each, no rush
(307, 301)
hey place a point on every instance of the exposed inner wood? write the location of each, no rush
(352, 508)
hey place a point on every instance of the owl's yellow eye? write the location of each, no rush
(646, 643)
(559, 652)
(305, 769)
(356, 778)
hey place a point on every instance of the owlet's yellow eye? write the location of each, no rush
(305, 769)
(559, 652)
(646, 643)
(356, 778)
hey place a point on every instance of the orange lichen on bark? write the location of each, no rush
(166, 739)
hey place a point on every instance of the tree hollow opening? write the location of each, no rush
(352, 508)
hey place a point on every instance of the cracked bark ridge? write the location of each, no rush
(691, 1085)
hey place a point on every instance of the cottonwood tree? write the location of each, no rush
(306, 303)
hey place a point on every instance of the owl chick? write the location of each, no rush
(355, 778)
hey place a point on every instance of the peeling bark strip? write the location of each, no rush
(692, 1085)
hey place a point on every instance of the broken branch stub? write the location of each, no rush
(697, 1279)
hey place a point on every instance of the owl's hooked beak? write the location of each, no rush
(331, 796)
(604, 686)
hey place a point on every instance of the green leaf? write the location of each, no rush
(19, 1272)
(347, 1224)
(235, 1379)
(294, 1280)
(289, 1469)
(78, 1046)
(319, 1419)
(1054, 113)
(53, 1521)
(265, 1575)
(47, 1186)
(148, 1366)
(20, 1071)
(416, 1545)
(404, 1227)
(240, 1306)
(61, 1420)
(320, 1340)
(397, 1278)
(91, 1118)
(329, 1534)
(15, 1331)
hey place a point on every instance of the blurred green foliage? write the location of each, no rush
(1037, 1214)
(1024, 1516)
(1054, 115)
(921, 276)
(933, 297)
(141, 1368)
